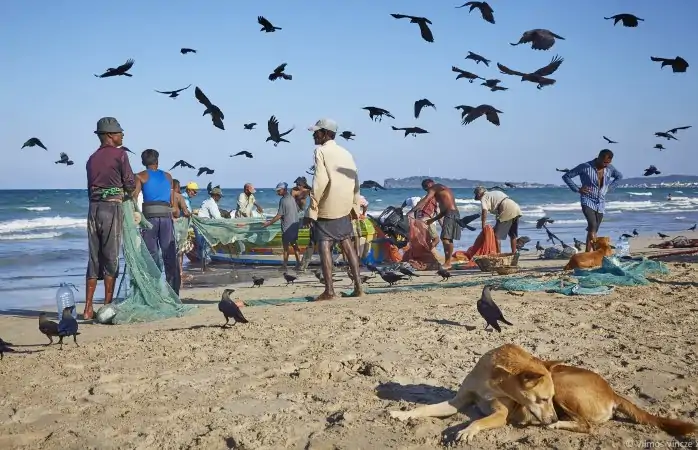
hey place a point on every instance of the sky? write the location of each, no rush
(344, 56)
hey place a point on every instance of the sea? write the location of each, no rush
(43, 239)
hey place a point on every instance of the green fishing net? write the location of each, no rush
(229, 231)
(146, 296)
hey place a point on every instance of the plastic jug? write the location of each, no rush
(622, 248)
(65, 298)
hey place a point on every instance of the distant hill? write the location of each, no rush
(650, 181)
(416, 182)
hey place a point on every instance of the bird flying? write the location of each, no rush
(465, 74)
(414, 131)
(538, 76)
(651, 170)
(629, 20)
(183, 164)
(216, 113)
(485, 10)
(274, 135)
(677, 64)
(422, 22)
(370, 184)
(64, 160)
(490, 112)
(33, 142)
(279, 73)
(250, 126)
(419, 104)
(173, 94)
(659, 147)
(348, 135)
(266, 25)
(540, 39)
(609, 140)
(185, 50)
(478, 59)
(375, 112)
(243, 152)
(675, 130)
(666, 135)
(121, 70)
(205, 170)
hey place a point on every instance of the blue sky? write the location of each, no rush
(343, 56)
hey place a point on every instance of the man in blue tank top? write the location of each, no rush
(158, 198)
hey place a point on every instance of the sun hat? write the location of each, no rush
(108, 125)
(324, 124)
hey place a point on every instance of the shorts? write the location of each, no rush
(450, 229)
(594, 219)
(104, 224)
(334, 230)
(509, 228)
(290, 235)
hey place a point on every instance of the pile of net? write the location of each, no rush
(143, 294)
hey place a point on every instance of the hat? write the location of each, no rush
(281, 185)
(216, 191)
(479, 191)
(108, 125)
(324, 124)
(192, 186)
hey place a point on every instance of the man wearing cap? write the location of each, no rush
(209, 208)
(288, 214)
(190, 191)
(300, 192)
(507, 212)
(247, 201)
(334, 202)
(109, 177)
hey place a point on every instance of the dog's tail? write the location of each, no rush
(673, 427)
(568, 266)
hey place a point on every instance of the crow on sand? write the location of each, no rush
(489, 310)
(229, 309)
(257, 281)
(68, 326)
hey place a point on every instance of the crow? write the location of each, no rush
(490, 112)
(663, 236)
(274, 135)
(183, 164)
(489, 310)
(229, 309)
(48, 327)
(675, 130)
(677, 64)
(419, 104)
(509, 185)
(68, 326)
(465, 74)
(538, 76)
(391, 277)
(32, 142)
(498, 88)
(348, 135)
(377, 113)
(409, 273)
(540, 223)
(444, 274)
(210, 186)
(370, 184)
(422, 22)
(216, 113)
(635, 233)
(562, 170)
(485, 10)
(266, 25)
(414, 131)
(539, 248)
(540, 39)
(185, 50)
(629, 20)
(464, 109)
(651, 170)
(5, 347)
(478, 59)
(279, 73)
(693, 228)
(464, 221)
(659, 147)
(490, 83)
(665, 135)
(250, 126)
(289, 278)
(173, 94)
(243, 152)
(205, 170)
(65, 160)
(626, 236)
(311, 170)
(121, 70)
(609, 140)
(372, 268)
(257, 281)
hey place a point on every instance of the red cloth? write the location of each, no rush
(485, 244)
(419, 254)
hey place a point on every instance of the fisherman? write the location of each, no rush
(190, 191)
(431, 207)
(288, 214)
(300, 192)
(247, 201)
(209, 208)
(507, 212)
(158, 201)
(179, 208)
(109, 177)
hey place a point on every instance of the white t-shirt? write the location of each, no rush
(491, 200)
(209, 209)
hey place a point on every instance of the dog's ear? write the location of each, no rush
(529, 379)
(500, 371)
(550, 364)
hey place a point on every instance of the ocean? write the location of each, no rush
(43, 232)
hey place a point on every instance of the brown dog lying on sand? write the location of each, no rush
(503, 379)
(586, 399)
(587, 260)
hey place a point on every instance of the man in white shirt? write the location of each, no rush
(209, 208)
(247, 201)
(507, 212)
(334, 202)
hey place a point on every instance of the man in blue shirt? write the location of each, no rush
(597, 176)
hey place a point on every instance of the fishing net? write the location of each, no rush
(229, 231)
(146, 296)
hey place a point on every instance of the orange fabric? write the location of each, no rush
(485, 244)
(419, 254)
(392, 253)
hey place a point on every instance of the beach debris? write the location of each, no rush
(539, 38)
(370, 184)
(465, 74)
(414, 131)
(408, 271)
(422, 22)
(185, 50)
(391, 277)
(539, 76)
(675, 130)
(33, 142)
(229, 309)
(121, 70)
(420, 104)
(257, 281)
(662, 235)
(485, 10)
(68, 326)
(267, 27)
(659, 147)
(48, 327)
(279, 73)
(478, 59)
(243, 152)
(217, 115)
(183, 164)
(490, 112)
(173, 94)
(5, 347)
(610, 141)
(629, 20)
(348, 135)
(678, 64)
(651, 170)
(562, 170)
(249, 126)
(375, 112)
(274, 135)
(205, 170)
(666, 135)
(489, 310)
(64, 159)
(289, 278)
(444, 274)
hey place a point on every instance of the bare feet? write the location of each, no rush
(355, 293)
(324, 296)
(88, 314)
(446, 266)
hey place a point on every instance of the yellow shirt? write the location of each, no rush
(335, 184)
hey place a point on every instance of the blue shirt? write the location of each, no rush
(596, 198)
(187, 201)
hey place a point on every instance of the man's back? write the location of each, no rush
(108, 167)
(336, 182)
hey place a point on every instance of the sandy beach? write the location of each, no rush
(323, 375)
